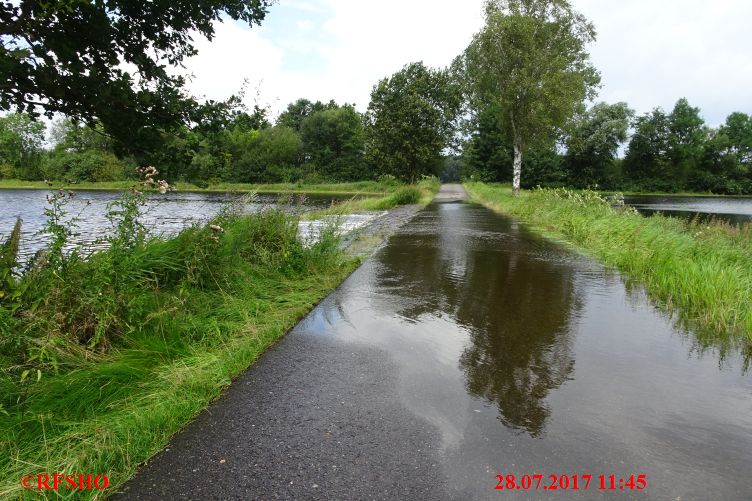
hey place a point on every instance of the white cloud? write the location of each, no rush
(236, 53)
(649, 53)
(652, 53)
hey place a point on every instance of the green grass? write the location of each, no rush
(353, 188)
(420, 193)
(138, 339)
(700, 271)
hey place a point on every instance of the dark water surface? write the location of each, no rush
(736, 210)
(527, 358)
(164, 214)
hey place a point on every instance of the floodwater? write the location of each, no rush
(735, 210)
(164, 214)
(530, 359)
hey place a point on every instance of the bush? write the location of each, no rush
(7, 171)
(89, 165)
(407, 195)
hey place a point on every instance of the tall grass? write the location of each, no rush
(701, 271)
(103, 359)
(419, 193)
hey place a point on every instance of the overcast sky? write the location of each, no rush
(649, 52)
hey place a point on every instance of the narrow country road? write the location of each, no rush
(465, 348)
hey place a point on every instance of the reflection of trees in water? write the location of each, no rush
(521, 351)
(730, 350)
(517, 308)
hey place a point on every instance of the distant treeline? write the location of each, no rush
(403, 134)
(414, 126)
(312, 141)
(669, 152)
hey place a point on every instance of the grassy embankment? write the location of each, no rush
(701, 271)
(419, 193)
(103, 359)
(353, 188)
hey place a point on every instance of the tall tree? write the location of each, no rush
(301, 109)
(411, 120)
(686, 143)
(487, 153)
(530, 60)
(21, 142)
(667, 150)
(647, 153)
(593, 140)
(333, 143)
(726, 166)
(70, 135)
(107, 60)
(738, 130)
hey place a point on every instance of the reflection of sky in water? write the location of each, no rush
(528, 358)
(163, 215)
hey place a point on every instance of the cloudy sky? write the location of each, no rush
(650, 53)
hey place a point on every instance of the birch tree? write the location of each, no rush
(530, 61)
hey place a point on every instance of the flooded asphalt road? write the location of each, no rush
(465, 348)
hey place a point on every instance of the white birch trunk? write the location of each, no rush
(517, 171)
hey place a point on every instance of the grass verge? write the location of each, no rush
(420, 193)
(702, 271)
(103, 359)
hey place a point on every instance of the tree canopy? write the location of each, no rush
(301, 109)
(411, 120)
(333, 143)
(108, 61)
(21, 141)
(530, 61)
(593, 141)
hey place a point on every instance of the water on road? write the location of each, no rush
(465, 348)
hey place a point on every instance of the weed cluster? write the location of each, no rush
(104, 357)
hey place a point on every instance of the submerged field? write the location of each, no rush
(103, 359)
(699, 271)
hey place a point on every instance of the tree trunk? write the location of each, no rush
(517, 171)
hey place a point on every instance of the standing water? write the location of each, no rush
(163, 214)
(464, 349)
(530, 359)
(734, 210)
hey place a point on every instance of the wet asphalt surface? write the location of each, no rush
(468, 347)
(312, 419)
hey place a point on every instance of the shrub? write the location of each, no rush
(406, 195)
(89, 165)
